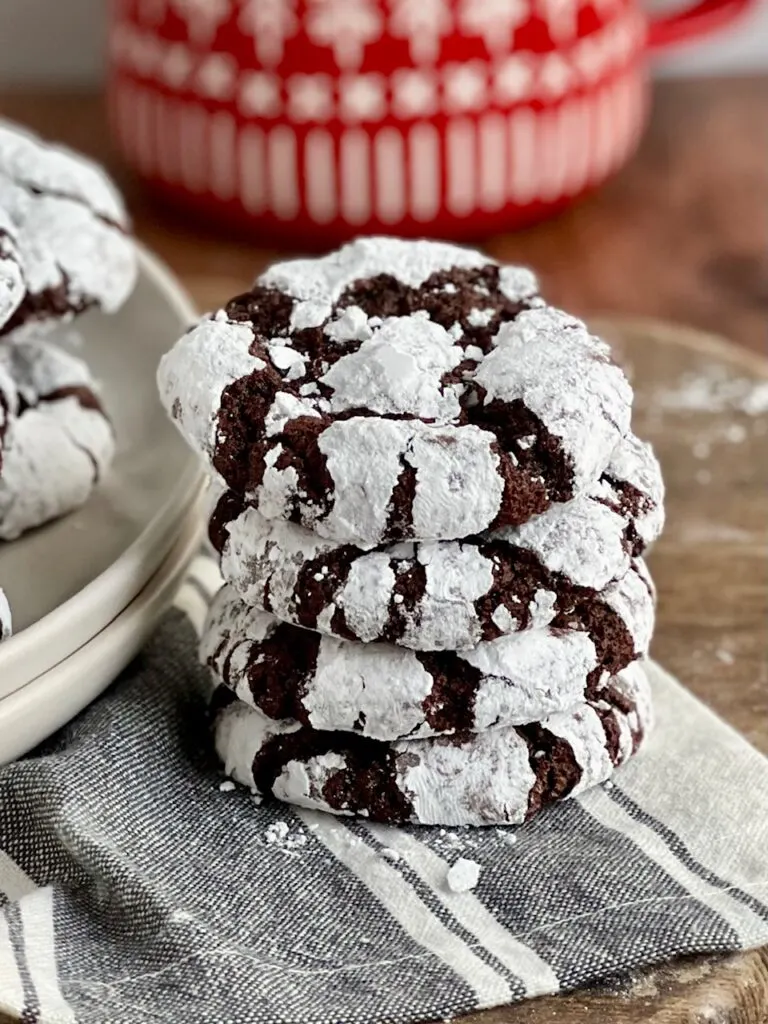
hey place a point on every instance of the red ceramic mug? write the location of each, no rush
(315, 120)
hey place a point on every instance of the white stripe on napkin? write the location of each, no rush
(536, 974)
(403, 903)
(741, 918)
(205, 572)
(14, 882)
(190, 601)
(36, 912)
(702, 772)
(11, 985)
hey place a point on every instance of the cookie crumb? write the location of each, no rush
(463, 875)
(227, 786)
(509, 837)
(276, 832)
(390, 854)
(701, 450)
(725, 656)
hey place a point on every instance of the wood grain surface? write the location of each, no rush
(680, 235)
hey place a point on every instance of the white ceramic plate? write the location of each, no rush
(37, 710)
(70, 579)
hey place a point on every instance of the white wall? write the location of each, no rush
(61, 40)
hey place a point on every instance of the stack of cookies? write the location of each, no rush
(431, 515)
(64, 249)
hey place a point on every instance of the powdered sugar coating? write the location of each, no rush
(386, 692)
(633, 462)
(201, 365)
(324, 280)
(503, 776)
(457, 487)
(564, 376)
(582, 539)
(12, 288)
(438, 595)
(67, 226)
(58, 443)
(43, 167)
(633, 601)
(418, 413)
(399, 370)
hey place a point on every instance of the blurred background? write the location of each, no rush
(241, 129)
(71, 49)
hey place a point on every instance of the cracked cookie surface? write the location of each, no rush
(64, 242)
(57, 443)
(398, 390)
(502, 776)
(387, 692)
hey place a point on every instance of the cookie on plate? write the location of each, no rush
(398, 390)
(58, 442)
(6, 621)
(502, 776)
(445, 595)
(64, 242)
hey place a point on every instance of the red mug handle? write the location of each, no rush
(701, 19)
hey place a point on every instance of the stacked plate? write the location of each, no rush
(87, 589)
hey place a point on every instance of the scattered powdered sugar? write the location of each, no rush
(276, 832)
(735, 433)
(507, 836)
(279, 834)
(713, 389)
(463, 876)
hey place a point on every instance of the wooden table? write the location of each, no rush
(679, 235)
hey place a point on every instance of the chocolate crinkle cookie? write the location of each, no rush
(64, 242)
(502, 776)
(56, 442)
(398, 391)
(389, 693)
(431, 514)
(450, 595)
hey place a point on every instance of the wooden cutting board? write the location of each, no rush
(695, 395)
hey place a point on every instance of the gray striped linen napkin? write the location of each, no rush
(133, 887)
